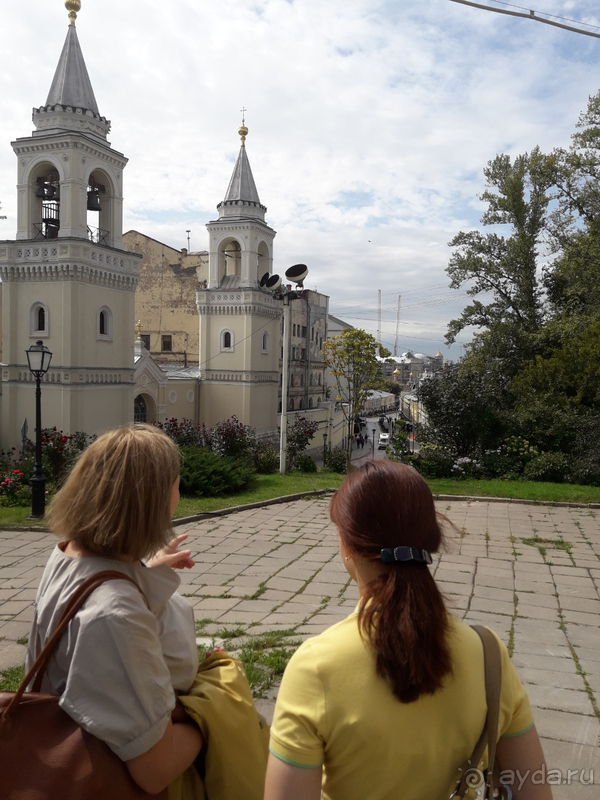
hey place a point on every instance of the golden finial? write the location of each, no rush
(138, 328)
(243, 131)
(72, 7)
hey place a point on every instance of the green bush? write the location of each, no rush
(435, 462)
(550, 467)
(335, 460)
(266, 458)
(207, 474)
(306, 463)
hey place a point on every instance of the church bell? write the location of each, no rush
(93, 201)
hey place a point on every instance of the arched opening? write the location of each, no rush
(264, 260)
(291, 404)
(140, 409)
(144, 409)
(265, 343)
(310, 402)
(99, 200)
(229, 259)
(45, 182)
(102, 325)
(41, 319)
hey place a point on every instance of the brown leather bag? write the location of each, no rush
(46, 755)
(486, 782)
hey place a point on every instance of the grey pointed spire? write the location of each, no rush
(71, 85)
(241, 199)
(241, 185)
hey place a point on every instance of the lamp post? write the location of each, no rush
(324, 447)
(38, 359)
(272, 284)
(374, 429)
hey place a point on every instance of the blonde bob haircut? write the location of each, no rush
(117, 499)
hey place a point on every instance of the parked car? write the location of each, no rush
(384, 440)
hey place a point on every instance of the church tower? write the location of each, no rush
(66, 279)
(239, 322)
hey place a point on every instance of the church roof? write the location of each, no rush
(71, 85)
(241, 185)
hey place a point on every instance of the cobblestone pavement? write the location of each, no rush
(531, 572)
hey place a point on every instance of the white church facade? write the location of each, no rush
(69, 279)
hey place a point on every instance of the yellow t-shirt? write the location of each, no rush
(333, 709)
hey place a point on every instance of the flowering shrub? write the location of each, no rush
(59, 452)
(13, 491)
(229, 438)
(186, 433)
(299, 434)
(434, 461)
(233, 438)
(466, 468)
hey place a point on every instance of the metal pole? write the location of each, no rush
(38, 479)
(284, 383)
(374, 429)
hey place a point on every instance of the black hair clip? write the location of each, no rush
(395, 555)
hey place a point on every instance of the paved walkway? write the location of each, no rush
(530, 572)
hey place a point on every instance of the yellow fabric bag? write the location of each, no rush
(236, 736)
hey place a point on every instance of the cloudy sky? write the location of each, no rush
(370, 122)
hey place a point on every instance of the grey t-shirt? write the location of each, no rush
(118, 663)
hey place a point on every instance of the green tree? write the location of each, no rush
(352, 360)
(505, 266)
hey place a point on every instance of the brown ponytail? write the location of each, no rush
(386, 504)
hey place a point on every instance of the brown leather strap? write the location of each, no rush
(489, 735)
(76, 600)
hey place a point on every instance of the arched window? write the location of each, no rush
(310, 404)
(291, 404)
(265, 342)
(38, 320)
(227, 341)
(104, 324)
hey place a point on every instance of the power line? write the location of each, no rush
(534, 15)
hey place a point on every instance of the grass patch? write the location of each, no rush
(230, 633)
(11, 678)
(262, 487)
(264, 661)
(521, 490)
(17, 515)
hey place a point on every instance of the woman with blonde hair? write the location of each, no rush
(119, 664)
(390, 702)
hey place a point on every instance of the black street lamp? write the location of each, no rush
(324, 448)
(38, 358)
(374, 429)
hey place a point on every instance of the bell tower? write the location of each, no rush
(65, 278)
(239, 322)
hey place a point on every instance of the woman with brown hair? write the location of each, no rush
(390, 702)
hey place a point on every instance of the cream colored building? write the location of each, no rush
(66, 279)
(211, 339)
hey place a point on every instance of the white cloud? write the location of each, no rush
(369, 122)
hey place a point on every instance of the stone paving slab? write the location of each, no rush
(531, 572)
